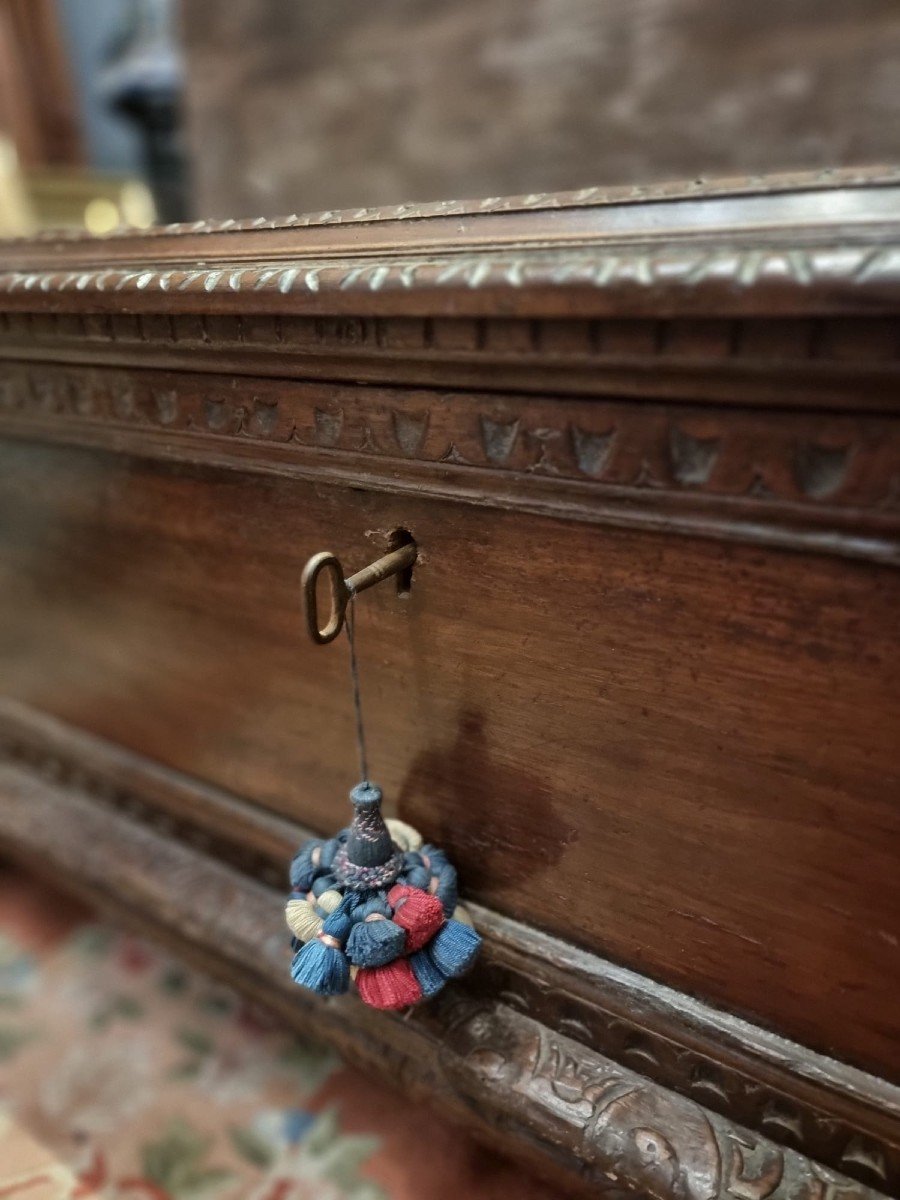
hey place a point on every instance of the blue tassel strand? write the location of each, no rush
(453, 948)
(322, 968)
(445, 873)
(437, 858)
(447, 890)
(323, 884)
(428, 977)
(330, 849)
(375, 943)
(303, 869)
(418, 877)
(339, 923)
(367, 904)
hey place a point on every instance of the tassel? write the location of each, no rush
(414, 872)
(303, 920)
(434, 857)
(403, 835)
(443, 885)
(321, 968)
(321, 964)
(375, 941)
(428, 977)
(329, 901)
(391, 986)
(329, 851)
(367, 907)
(442, 877)
(305, 866)
(419, 913)
(376, 906)
(453, 948)
(323, 884)
(417, 877)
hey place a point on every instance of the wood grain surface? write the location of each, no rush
(678, 753)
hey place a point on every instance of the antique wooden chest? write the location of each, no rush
(642, 682)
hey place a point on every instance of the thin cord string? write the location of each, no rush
(350, 626)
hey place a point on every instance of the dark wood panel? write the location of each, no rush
(678, 752)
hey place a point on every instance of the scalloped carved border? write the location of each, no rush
(765, 461)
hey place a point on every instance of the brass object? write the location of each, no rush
(342, 589)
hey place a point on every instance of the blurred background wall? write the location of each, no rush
(333, 103)
(261, 107)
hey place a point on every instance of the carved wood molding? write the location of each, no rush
(626, 1134)
(721, 278)
(823, 481)
(822, 363)
(810, 251)
(781, 294)
(832, 1113)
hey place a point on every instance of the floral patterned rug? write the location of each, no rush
(29, 1169)
(150, 1081)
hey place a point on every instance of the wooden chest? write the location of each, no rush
(643, 682)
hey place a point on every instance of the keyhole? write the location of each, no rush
(398, 538)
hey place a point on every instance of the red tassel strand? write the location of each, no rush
(391, 986)
(419, 913)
